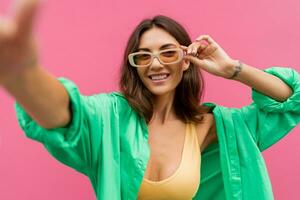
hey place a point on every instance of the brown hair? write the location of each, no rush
(189, 91)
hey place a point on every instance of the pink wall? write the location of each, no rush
(84, 41)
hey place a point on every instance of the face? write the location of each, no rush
(155, 40)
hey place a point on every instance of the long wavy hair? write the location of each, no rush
(188, 93)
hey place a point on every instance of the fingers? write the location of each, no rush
(25, 11)
(3, 23)
(1, 30)
(205, 38)
(194, 49)
(195, 60)
(6, 29)
(184, 48)
(202, 64)
(210, 48)
(1, 26)
(202, 47)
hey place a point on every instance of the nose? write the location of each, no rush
(156, 64)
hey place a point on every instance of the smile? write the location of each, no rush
(159, 78)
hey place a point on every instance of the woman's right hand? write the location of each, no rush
(39, 93)
(17, 46)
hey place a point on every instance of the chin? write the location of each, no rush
(163, 88)
(159, 91)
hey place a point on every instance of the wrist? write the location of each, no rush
(234, 68)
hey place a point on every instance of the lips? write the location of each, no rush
(160, 76)
(160, 79)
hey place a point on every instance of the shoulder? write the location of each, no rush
(208, 120)
(110, 97)
(206, 124)
(115, 103)
(111, 102)
(212, 124)
(206, 131)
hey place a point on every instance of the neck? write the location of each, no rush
(163, 108)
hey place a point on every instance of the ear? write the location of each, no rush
(185, 64)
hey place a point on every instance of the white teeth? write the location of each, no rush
(159, 77)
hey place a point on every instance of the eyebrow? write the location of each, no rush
(162, 47)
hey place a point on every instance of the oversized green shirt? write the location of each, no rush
(108, 142)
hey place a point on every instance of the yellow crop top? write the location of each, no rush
(184, 182)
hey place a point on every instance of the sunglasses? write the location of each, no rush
(165, 57)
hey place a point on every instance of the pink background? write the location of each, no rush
(84, 41)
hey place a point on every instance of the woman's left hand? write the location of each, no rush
(210, 57)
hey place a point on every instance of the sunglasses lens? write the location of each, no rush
(169, 56)
(142, 59)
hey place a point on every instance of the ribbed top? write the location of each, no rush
(184, 182)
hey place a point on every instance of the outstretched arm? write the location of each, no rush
(39, 93)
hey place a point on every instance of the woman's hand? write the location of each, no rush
(208, 55)
(17, 46)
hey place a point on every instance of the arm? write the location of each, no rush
(268, 119)
(44, 104)
(75, 144)
(275, 109)
(211, 57)
(263, 82)
(42, 96)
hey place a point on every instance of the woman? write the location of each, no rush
(197, 151)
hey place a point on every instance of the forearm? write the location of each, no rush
(263, 82)
(42, 96)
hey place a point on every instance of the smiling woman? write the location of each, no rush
(162, 39)
(155, 139)
(158, 63)
(174, 68)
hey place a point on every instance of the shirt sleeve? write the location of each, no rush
(268, 119)
(76, 144)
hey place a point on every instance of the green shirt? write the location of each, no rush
(108, 142)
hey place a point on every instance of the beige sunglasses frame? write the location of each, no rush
(154, 55)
